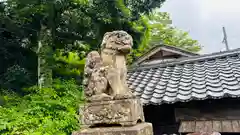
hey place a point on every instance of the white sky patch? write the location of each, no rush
(204, 20)
(221, 6)
(222, 9)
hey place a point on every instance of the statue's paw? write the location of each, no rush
(100, 97)
(118, 97)
(106, 97)
(124, 96)
(130, 95)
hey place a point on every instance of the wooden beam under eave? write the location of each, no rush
(224, 126)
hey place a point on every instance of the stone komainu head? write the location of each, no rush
(116, 38)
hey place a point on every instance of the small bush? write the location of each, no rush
(49, 111)
(15, 78)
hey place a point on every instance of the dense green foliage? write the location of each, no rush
(48, 111)
(53, 37)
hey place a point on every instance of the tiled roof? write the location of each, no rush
(197, 78)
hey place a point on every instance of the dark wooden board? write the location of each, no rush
(195, 114)
(227, 126)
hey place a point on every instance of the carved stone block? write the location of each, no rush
(123, 112)
(139, 129)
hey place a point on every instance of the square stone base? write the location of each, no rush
(139, 129)
(125, 112)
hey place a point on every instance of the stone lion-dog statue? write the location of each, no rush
(105, 73)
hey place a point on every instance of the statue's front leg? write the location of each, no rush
(118, 85)
(113, 77)
(127, 91)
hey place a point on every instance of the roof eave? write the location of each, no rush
(158, 47)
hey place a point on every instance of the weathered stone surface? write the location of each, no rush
(106, 72)
(123, 112)
(139, 129)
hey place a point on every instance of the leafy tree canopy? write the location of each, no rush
(65, 28)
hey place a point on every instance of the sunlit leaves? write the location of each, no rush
(169, 35)
(158, 30)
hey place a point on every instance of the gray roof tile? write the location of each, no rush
(196, 78)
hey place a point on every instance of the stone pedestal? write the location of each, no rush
(138, 129)
(126, 112)
(115, 117)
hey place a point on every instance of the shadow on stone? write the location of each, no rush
(140, 121)
(105, 125)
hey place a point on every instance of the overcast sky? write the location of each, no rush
(204, 19)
